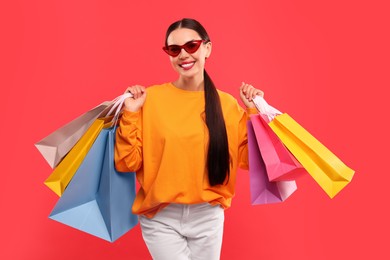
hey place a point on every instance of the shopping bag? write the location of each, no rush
(63, 173)
(262, 190)
(325, 167)
(98, 199)
(56, 145)
(280, 164)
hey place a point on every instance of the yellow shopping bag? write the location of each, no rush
(66, 169)
(325, 167)
(63, 173)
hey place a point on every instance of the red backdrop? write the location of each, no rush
(325, 63)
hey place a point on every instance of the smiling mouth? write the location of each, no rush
(187, 66)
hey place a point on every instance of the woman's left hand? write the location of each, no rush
(248, 92)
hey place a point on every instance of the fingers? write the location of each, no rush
(137, 91)
(136, 102)
(249, 92)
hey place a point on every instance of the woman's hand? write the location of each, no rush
(247, 93)
(136, 102)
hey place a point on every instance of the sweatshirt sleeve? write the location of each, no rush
(243, 161)
(128, 144)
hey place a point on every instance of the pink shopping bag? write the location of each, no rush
(262, 190)
(280, 164)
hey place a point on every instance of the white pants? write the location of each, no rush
(182, 232)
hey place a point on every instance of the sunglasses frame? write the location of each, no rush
(184, 46)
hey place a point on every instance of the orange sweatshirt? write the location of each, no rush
(166, 142)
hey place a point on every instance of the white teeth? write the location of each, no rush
(187, 65)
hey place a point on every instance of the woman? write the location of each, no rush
(185, 139)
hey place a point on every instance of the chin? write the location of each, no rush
(189, 73)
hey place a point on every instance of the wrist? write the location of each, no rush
(131, 109)
(250, 105)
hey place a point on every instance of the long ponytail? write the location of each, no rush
(218, 159)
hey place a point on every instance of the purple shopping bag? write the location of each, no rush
(281, 165)
(262, 190)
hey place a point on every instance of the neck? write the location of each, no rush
(191, 84)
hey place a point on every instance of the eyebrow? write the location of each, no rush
(184, 43)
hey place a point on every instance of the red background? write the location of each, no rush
(325, 63)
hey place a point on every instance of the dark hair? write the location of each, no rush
(218, 162)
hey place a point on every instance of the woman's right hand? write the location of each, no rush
(136, 102)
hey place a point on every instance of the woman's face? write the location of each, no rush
(188, 64)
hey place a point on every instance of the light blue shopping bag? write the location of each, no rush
(98, 199)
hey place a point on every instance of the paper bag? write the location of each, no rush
(262, 190)
(65, 170)
(98, 200)
(63, 173)
(325, 167)
(279, 162)
(55, 146)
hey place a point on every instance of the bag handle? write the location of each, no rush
(117, 106)
(265, 109)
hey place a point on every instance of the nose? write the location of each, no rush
(183, 54)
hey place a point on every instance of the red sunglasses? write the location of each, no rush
(190, 47)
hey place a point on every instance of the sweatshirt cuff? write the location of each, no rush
(130, 117)
(251, 111)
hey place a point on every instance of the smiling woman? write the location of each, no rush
(189, 64)
(185, 139)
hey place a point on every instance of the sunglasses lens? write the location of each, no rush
(192, 47)
(173, 50)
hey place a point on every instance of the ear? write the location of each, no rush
(208, 49)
